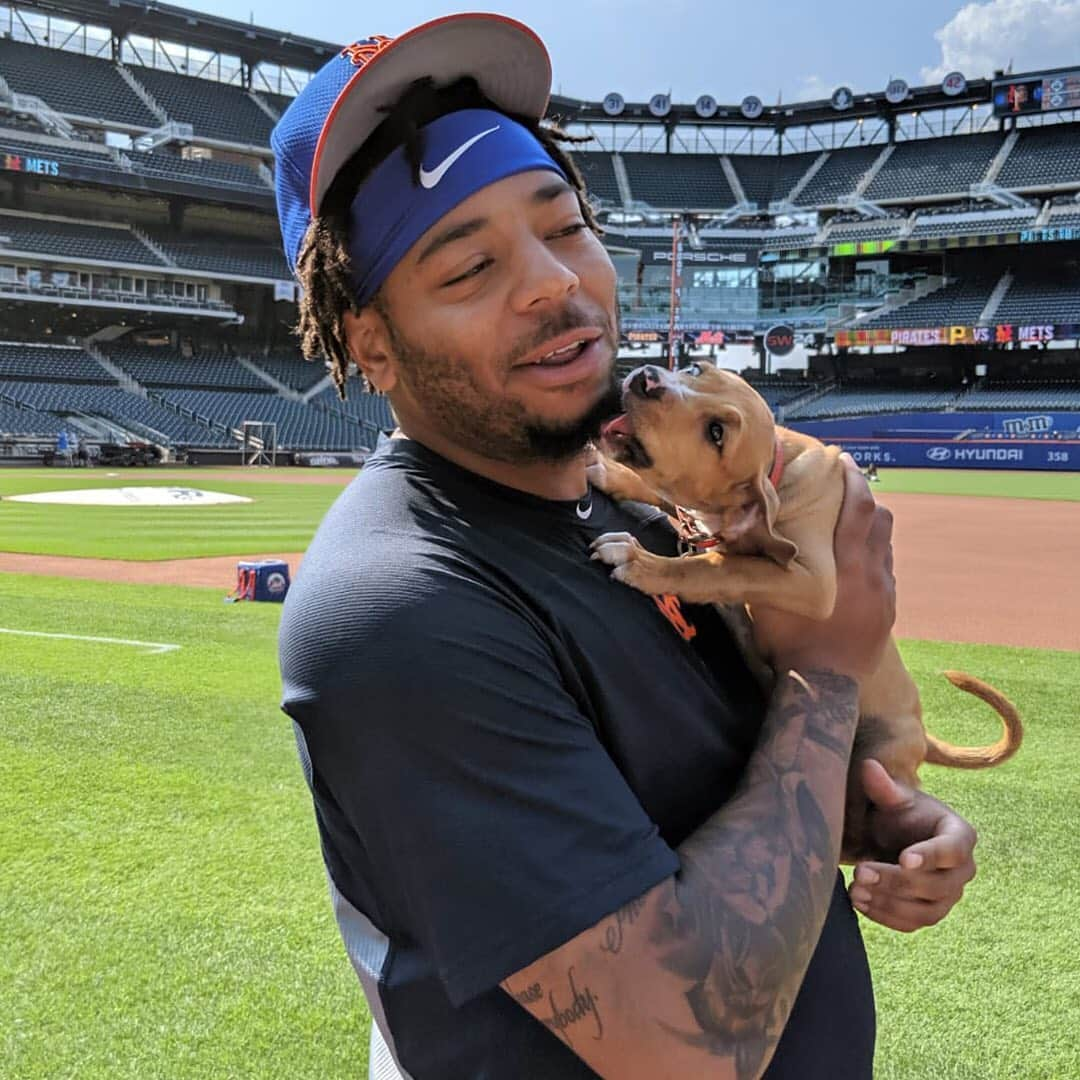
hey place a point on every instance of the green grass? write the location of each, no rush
(163, 902)
(1019, 485)
(164, 908)
(282, 518)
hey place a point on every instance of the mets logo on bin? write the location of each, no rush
(275, 583)
(939, 453)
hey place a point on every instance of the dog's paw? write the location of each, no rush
(616, 549)
(632, 564)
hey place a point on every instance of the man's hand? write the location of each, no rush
(934, 848)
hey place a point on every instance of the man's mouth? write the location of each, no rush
(623, 445)
(564, 349)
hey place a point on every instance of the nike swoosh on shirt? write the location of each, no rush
(431, 179)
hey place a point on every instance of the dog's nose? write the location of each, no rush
(647, 382)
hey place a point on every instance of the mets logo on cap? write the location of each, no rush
(363, 52)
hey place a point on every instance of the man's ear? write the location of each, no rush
(370, 348)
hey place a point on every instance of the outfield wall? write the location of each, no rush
(942, 425)
(1058, 455)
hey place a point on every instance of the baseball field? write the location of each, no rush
(162, 900)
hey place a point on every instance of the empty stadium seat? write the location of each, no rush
(73, 83)
(292, 370)
(299, 426)
(767, 178)
(374, 408)
(214, 110)
(49, 362)
(24, 422)
(934, 166)
(1043, 156)
(987, 221)
(1020, 395)
(959, 303)
(146, 419)
(599, 175)
(162, 367)
(839, 175)
(102, 243)
(197, 170)
(867, 401)
(213, 254)
(678, 181)
(1041, 300)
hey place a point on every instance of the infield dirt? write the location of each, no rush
(969, 569)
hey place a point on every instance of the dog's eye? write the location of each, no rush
(716, 432)
(693, 369)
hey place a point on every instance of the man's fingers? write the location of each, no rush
(903, 915)
(949, 848)
(886, 879)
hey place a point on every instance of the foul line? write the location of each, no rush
(152, 646)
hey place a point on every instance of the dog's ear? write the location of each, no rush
(763, 532)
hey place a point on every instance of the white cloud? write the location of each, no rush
(983, 37)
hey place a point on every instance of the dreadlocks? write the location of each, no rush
(324, 268)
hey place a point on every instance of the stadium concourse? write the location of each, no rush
(897, 271)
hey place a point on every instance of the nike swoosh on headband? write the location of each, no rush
(431, 179)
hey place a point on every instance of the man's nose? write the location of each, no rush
(646, 382)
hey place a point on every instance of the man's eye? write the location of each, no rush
(471, 272)
(577, 227)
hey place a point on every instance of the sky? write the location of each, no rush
(796, 51)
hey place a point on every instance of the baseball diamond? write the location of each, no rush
(894, 267)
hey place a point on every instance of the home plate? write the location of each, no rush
(132, 496)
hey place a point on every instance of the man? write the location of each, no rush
(564, 834)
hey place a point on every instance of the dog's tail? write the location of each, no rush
(979, 757)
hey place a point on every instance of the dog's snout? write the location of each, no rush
(647, 382)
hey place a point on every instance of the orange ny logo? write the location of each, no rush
(671, 610)
(361, 52)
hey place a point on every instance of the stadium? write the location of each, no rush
(896, 272)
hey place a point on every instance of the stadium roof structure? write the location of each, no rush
(251, 43)
(255, 45)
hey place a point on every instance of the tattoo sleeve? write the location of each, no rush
(705, 967)
(744, 913)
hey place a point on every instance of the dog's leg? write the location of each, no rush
(623, 484)
(713, 578)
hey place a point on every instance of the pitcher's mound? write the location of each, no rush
(133, 496)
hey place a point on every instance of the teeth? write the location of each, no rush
(559, 352)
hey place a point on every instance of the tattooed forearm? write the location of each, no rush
(744, 913)
(580, 1004)
(623, 918)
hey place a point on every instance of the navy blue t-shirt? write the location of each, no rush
(504, 746)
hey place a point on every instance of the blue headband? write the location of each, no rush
(462, 153)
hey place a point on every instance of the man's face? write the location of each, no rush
(501, 323)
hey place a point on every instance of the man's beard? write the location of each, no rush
(501, 429)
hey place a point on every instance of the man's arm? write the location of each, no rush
(698, 976)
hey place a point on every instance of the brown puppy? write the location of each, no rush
(759, 504)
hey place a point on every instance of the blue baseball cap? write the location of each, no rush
(339, 109)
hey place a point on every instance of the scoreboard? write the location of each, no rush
(1037, 93)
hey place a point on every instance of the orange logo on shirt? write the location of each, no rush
(672, 611)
